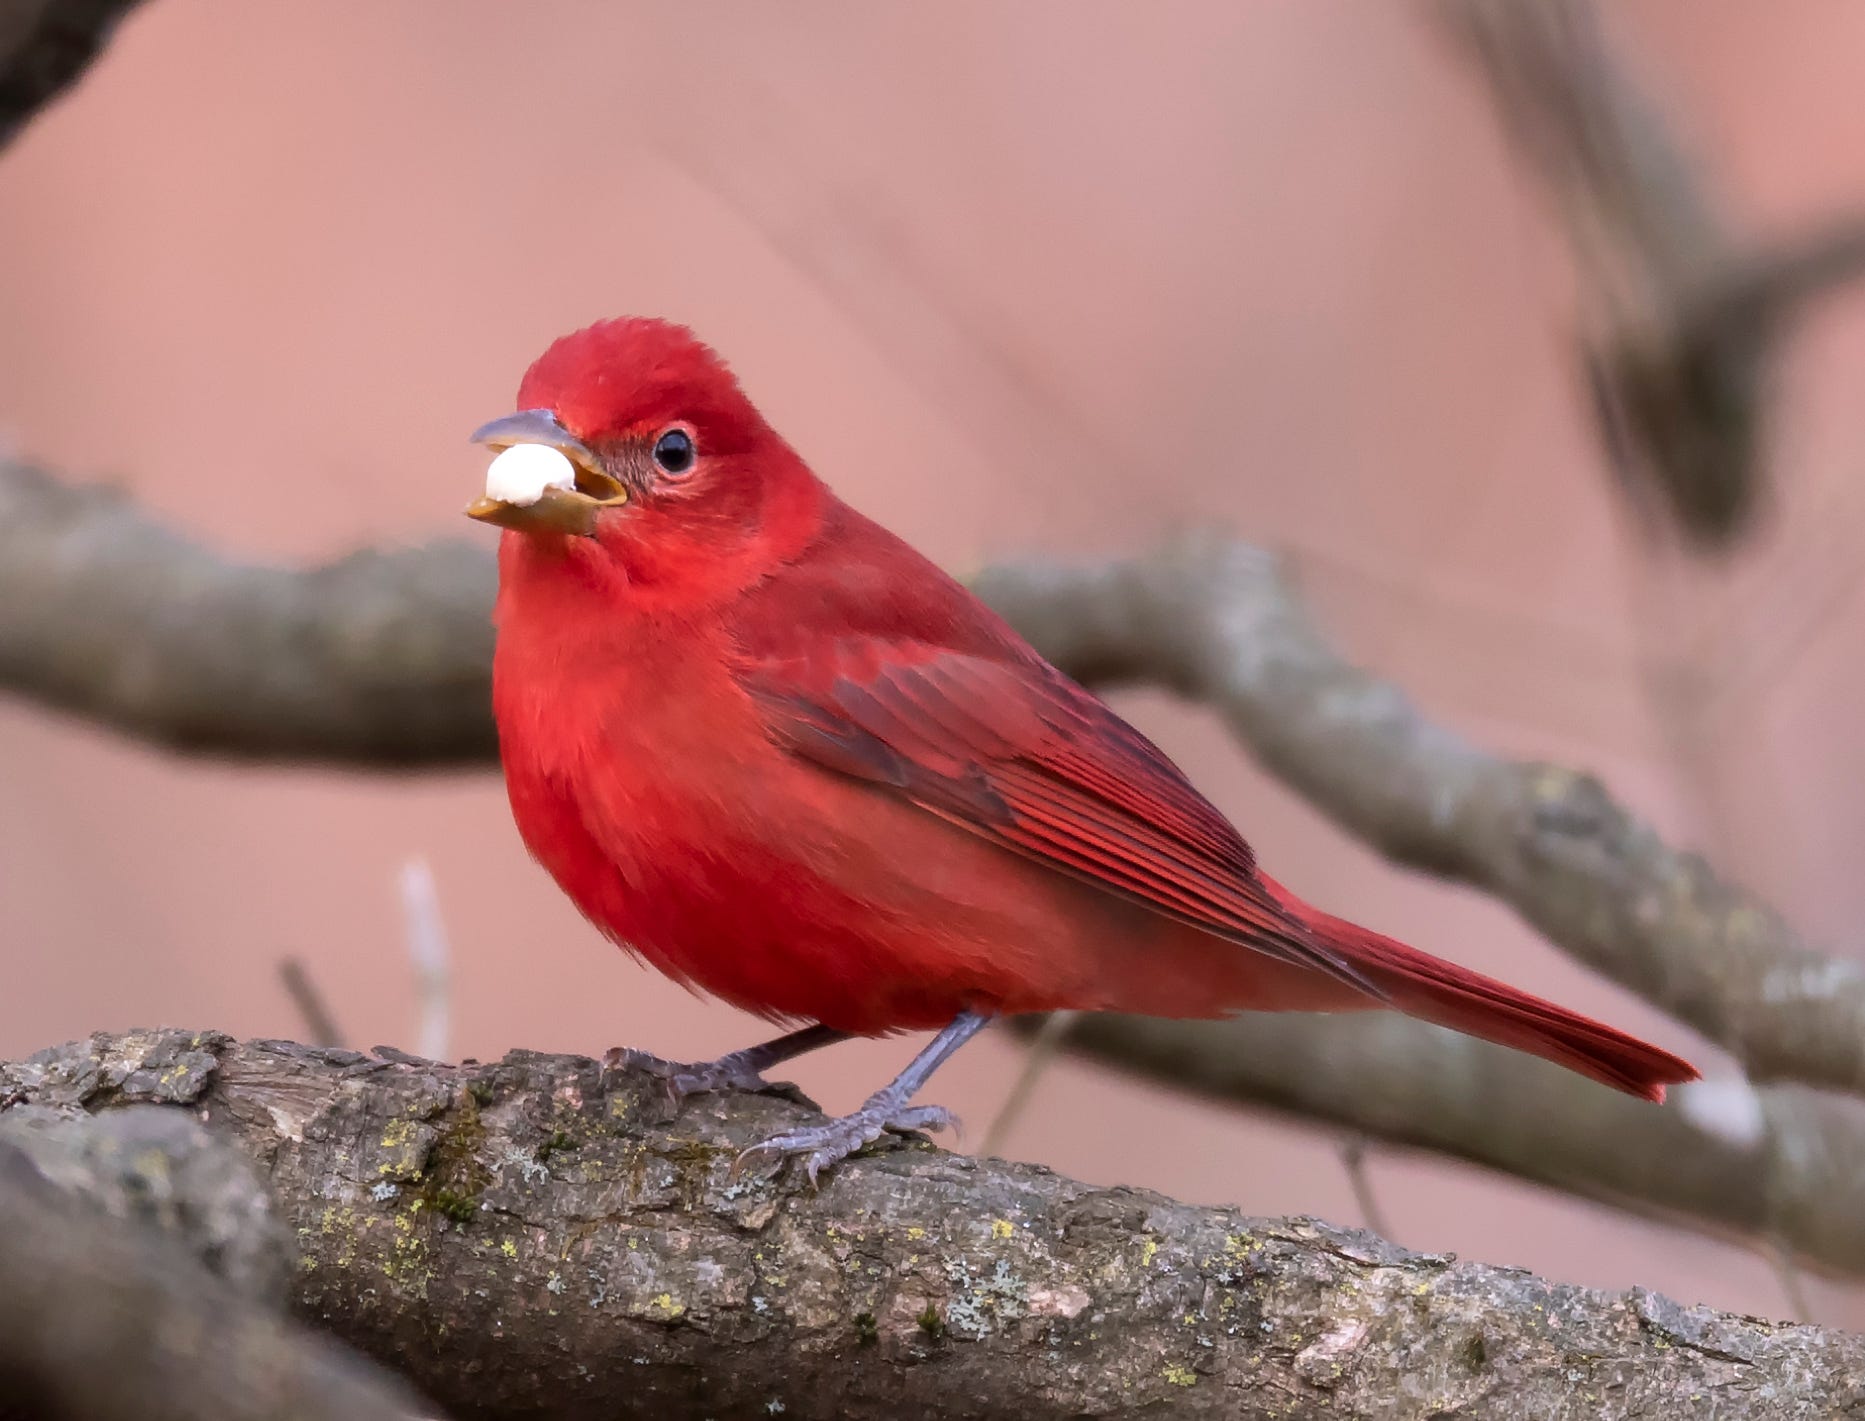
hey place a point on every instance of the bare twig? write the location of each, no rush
(431, 957)
(1042, 1050)
(1353, 1152)
(319, 1022)
(1787, 1272)
(536, 1237)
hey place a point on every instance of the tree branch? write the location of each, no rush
(534, 1236)
(45, 46)
(1686, 318)
(1780, 1167)
(380, 658)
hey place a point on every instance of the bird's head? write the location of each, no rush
(633, 435)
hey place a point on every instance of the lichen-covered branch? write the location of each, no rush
(536, 1237)
(1781, 1167)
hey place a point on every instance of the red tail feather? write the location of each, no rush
(1442, 992)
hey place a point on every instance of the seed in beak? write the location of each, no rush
(520, 474)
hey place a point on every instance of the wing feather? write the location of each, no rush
(1020, 755)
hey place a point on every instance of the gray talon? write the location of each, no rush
(835, 1140)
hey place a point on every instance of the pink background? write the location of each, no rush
(1015, 277)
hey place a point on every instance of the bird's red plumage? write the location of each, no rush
(763, 743)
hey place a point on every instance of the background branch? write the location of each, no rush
(380, 658)
(534, 1235)
(1685, 318)
(1779, 1167)
(45, 45)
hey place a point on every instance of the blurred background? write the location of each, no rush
(1014, 278)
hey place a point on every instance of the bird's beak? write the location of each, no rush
(556, 510)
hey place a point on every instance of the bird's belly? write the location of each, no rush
(827, 902)
(794, 893)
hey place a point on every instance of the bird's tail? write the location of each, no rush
(1442, 992)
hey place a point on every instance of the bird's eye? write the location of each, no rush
(674, 451)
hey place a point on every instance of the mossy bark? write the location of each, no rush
(538, 1237)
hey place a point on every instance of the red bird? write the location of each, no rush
(767, 746)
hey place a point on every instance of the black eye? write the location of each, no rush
(674, 451)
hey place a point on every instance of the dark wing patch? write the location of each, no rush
(1023, 757)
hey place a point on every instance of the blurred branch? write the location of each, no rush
(431, 957)
(108, 1318)
(1353, 1151)
(45, 46)
(1685, 317)
(1781, 1168)
(535, 1237)
(1044, 1046)
(320, 1023)
(380, 658)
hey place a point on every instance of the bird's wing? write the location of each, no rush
(1009, 749)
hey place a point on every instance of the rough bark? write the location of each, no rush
(536, 1237)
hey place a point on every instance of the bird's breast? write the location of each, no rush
(642, 777)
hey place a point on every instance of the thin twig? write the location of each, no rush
(319, 1022)
(1353, 1152)
(1787, 1273)
(428, 950)
(1037, 1058)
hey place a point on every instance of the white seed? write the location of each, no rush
(521, 473)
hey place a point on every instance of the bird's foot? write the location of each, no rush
(679, 1079)
(819, 1146)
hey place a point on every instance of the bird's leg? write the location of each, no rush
(887, 1109)
(741, 1070)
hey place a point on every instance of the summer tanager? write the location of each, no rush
(765, 745)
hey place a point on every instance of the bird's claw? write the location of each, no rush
(819, 1146)
(679, 1079)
